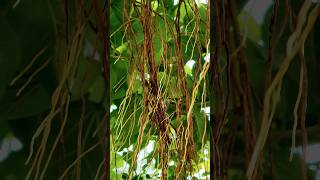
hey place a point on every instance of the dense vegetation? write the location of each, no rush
(178, 83)
(160, 99)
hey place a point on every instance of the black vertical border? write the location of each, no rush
(107, 6)
(211, 88)
(106, 68)
(103, 25)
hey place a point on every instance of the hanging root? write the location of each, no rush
(294, 44)
(157, 92)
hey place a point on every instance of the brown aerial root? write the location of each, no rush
(294, 44)
(60, 101)
(154, 108)
(156, 95)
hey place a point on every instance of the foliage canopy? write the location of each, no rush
(168, 63)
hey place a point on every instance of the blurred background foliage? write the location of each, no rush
(31, 26)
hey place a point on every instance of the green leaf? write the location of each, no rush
(33, 102)
(96, 91)
(122, 48)
(250, 25)
(284, 169)
(200, 129)
(185, 12)
(256, 66)
(157, 45)
(88, 71)
(189, 48)
(4, 129)
(154, 5)
(9, 54)
(137, 87)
